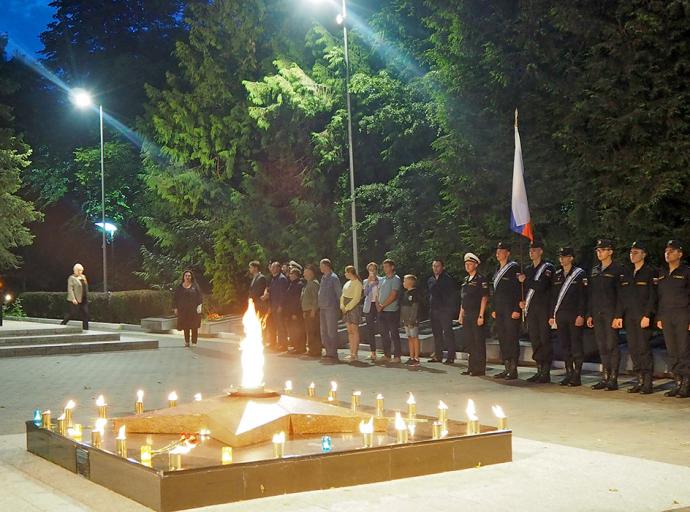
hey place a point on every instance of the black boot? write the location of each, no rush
(568, 372)
(678, 380)
(684, 391)
(575, 380)
(604, 380)
(612, 384)
(503, 374)
(545, 377)
(536, 376)
(647, 385)
(512, 370)
(638, 385)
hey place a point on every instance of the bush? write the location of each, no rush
(127, 307)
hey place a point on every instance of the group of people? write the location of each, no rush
(299, 310)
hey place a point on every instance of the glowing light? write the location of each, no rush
(334, 386)
(197, 397)
(442, 405)
(471, 411)
(498, 411)
(288, 386)
(100, 425)
(81, 98)
(100, 401)
(8, 298)
(70, 405)
(140, 395)
(172, 396)
(252, 348)
(411, 400)
(121, 433)
(399, 422)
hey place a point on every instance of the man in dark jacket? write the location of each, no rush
(443, 308)
(277, 331)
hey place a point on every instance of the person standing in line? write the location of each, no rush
(371, 294)
(673, 286)
(277, 331)
(188, 301)
(568, 305)
(537, 283)
(603, 300)
(506, 299)
(329, 310)
(257, 288)
(443, 307)
(389, 312)
(293, 313)
(636, 308)
(474, 298)
(409, 316)
(78, 297)
(350, 299)
(310, 311)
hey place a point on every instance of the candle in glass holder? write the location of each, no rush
(472, 419)
(400, 428)
(139, 404)
(75, 432)
(174, 460)
(356, 396)
(61, 425)
(172, 399)
(98, 432)
(279, 445)
(121, 442)
(102, 407)
(45, 420)
(501, 416)
(442, 412)
(379, 405)
(436, 427)
(411, 407)
(69, 407)
(367, 431)
(145, 457)
(226, 455)
(288, 387)
(311, 390)
(332, 393)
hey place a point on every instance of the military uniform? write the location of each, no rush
(674, 313)
(568, 301)
(507, 293)
(537, 313)
(474, 289)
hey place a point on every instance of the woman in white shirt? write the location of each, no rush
(349, 305)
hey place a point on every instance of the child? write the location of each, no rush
(409, 315)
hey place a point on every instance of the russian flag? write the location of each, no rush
(520, 220)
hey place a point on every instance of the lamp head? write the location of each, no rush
(81, 98)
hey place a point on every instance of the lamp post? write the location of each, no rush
(82, 99)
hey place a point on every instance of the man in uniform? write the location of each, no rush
(673, 286)
(507, 296)
(636, 306)
(537, 284)
(475, 296)
(569, 297)
(603, 300)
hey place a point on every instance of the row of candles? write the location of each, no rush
(404, 427)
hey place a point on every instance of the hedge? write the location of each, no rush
(127, 307)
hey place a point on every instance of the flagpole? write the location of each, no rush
(522, 248)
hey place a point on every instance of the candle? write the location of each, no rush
(472, 419)
(400, 428)
(226, 455)
(121, 442)
(139, 404)
(355, 400)
(75, 432)
(145, 454)
(442, 413)
(98, 432)
(279, 445)
(367, 431)
(45, 420)
(172, 399)
(311, 390)
(411, 407)
(61, 424)
(411, 428)
(197, 397)
(174, 460)
(102, 407)
(68, 413)
(436, 427)
(379, 405)
(332, 392)
(287, 389)
(502, 419)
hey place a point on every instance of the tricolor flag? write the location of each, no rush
(520, 220)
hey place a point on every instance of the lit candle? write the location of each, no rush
(98, 432)
(472, 419)
(121, 442)
(400, 428)
(226, 455)
(332, 392)
(139, 404)
(68, 413)
(172, 399)
(356, 395)
(379, 405)
(45, 420)
(102, 407)
(436, 427)
(411, 428)
(75, 432)
(311, 390)
(288, 387)
(145, 454)
(411, 407)
(502, 419)
(279, 445)
(442, 413)
(197, 397)
(367, 431)
(61, 424)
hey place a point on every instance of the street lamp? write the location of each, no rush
(341, 19)
(82, 99)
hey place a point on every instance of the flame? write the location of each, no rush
(62, 416)
(498, 411)
(312, 385)
(121, 433)
(471, 410)
(252, 348)
(411, 427)
(368, 427)
(279, 437)
(197, 397)
(399, 422)
(100, 401)
(172, 396)
(100, 425)
(140, 395)
(288, 385)
(356, 393)
(334, 386)
(70, 405)
(379, 396)
(442, 405)
(411, 400)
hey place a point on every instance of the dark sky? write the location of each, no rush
(23, 21)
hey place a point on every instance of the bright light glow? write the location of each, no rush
(411, 400)
(172, 396)
(356, 393)
(334, 386)
(252, 348)
(399, 422)
(379, 396)
(100, 401)
(70, 404)
(279, 438)
(62, 417)
(312, 385)
(8, 297)
(182, 449)
(498, 411)
(368, 427)
(411, 428)
(121, 433)
(81, 98)
(100, 425)
(288, 385)
(471, 411)
(442, 405)
(110, 228)
(339, 19)
(197, 397)
(140, 395)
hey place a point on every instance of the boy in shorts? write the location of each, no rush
(409, 315)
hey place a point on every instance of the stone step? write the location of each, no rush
(57, 339)
(78, 348)
(8, 331)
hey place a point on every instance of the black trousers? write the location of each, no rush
(539, 332)
(193, 333)
(389, 323)
(508, 332)
(276, 330)
(78, 312)
(474, 341)
(371, 328)
(607, 340)
(570, 336)
(442, 329)
(312, 331)
(675, 324)
(296, 332)
(638, 343)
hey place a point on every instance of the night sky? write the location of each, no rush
(23, 21)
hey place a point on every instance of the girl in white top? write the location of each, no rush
(349, 305)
